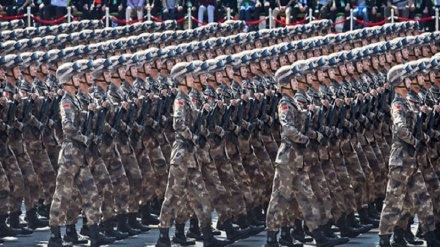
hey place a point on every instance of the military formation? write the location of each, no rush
(290, 130)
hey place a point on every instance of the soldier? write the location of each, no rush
(405, 179)
(290, 174)
(73, 169)
(183, 171)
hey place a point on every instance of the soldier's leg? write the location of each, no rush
(396, 189)
(369, 177)
(105, 187)
(160, 168)
(344, 179)
(148, 187)
(73, 211)
(120, 183)
(267, 168)
(254, 172)
(421, 201)
(271, 146)
(320, 188)
(53, 151)
(376, 169)
(432, 184)
(382, 165)
(16, 182)
(135, 181)
(5, 231)
(45, 172)
(336, 192)
(357, 179)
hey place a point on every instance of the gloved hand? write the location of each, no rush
(203, 130)
(380, 116)
(219, 131)
(347, 124)
(325, 130)
(425, 138)
(87, 140)
(113, 133)
(259, 124)
(337, 132)
(321, 139)
(97, 139)
(51, 124)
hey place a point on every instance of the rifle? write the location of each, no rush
(26, 109)
(100, 120)
(167, 105)
(224, 122)
(87, 127)
(251, 117)
(141, 119)
(54, 110)
(417, 132)
(210, 122)
(157, 114)
(44, 114)
(262, 111)
(272, 111)
(429, 126)
(197, 126)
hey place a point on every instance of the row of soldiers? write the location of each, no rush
(147, 60)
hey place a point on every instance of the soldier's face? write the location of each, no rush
(433, 47)
(108, 76)
(189, 80)
(229, 71)
(425, 51)
(33, 69)
(158, 63)
(365, 63)
(203, 78)
(147, 68)
(316, 53)
(324, 50)
(405, 53)
(283, 60)
(320, 75)
(382, 60)
(300, 55)
(258, 44)
(243, 71)
(343, 70)
(331, 72)
(44, 69)
(273, 64)
(219, 76)
(294, 84)
(75, 80)
(263, 65)
(291, 57)
(133, 71)
(359, 67)
(89, 77)
(16, 72)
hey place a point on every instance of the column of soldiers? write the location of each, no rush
(234, 131)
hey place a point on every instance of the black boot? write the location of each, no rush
(321, 240)
(123, 226)
(84, 229)
(194, 230)
(353, 222)
(372, 211)
(111, 232)
(365, 218)
(271, 239)
(155, 206)
(97, 238)
(235, 234)
(298, 232)
(43, 210)
(55, 238)
(384, 240)
(327, 230)
(398, 240)
(135, 224)
(346, 229)
(179, 236)
(286, 239)
(210, 241)
(244, 224)
(253, 220)
(146, 217)
(379, 204)
(72, 236)
(33, 221)
(164, 238)
(5, 230)
(409, 236)
(14, 222)
(431, 241)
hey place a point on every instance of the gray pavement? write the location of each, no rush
(41, 236)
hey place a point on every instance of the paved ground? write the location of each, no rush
(40, 237)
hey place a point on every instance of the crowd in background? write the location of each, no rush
(214, 10)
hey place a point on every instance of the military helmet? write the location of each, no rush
(180, 70)
(101, 64)
(30, 58)
(283, 75)
(303, 67)
(397, 73)
(86, 65)
(10, 61)
(66, 71)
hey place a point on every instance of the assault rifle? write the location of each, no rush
(272, 110)
(87, 127)
(197, 127)
(251, 118)
(417, 132)
(141, 119)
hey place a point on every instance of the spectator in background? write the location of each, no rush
(263, 7)
(223, 6)
(206, 6)
(15, 7)
(117, 6)
(247, 7)
(155, 7)
(283, 6)
(302, 6)
(361, 10)
(171, 9)
(60, 7)
(421, 9)
(137, 5)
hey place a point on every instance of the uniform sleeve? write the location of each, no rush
(400, 128)
(179, 120)
(68, 121)
(289, 131)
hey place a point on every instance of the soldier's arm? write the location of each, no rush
(68, 122)
(179, 120)
(286, 118)
(400, 128)
(32, 120)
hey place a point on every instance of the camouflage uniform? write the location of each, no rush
(126, 151)
(36, 150)
(184, 175)
(403, 170)
(73, 169)
(18, 148)
(290, 173)
(111, 157)
(4, 192)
